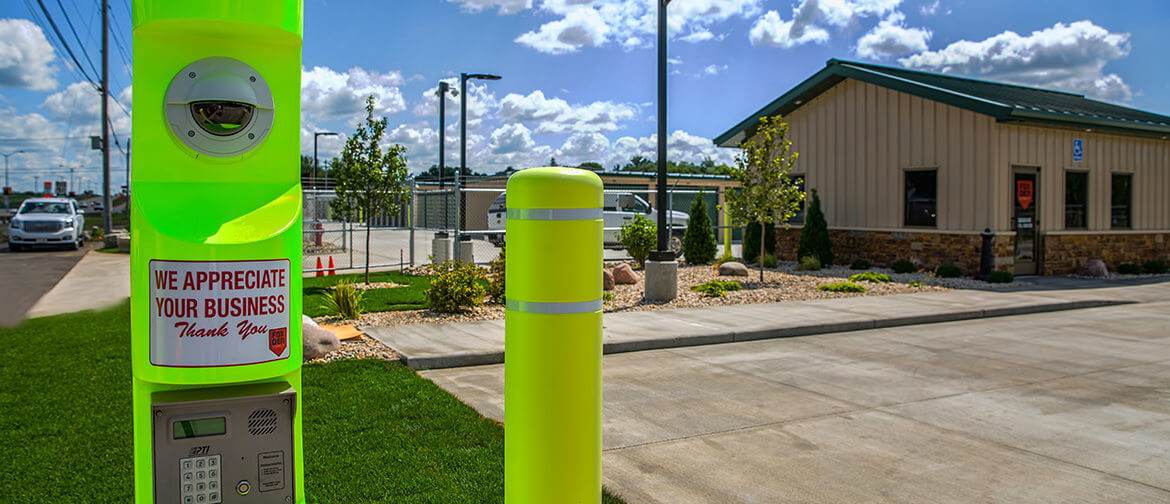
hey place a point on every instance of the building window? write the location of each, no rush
(1121, 201)
(799, 217)
(922, 198)
(1076, 200)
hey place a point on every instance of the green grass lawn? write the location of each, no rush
(374, 431)
(397, 298)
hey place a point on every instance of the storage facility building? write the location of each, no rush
(915, 165)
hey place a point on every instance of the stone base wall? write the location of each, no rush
(927, 250)
(1066, 253)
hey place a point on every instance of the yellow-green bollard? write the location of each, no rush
(552, 359)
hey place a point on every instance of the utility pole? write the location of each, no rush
(106, 114)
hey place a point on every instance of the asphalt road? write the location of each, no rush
(26, 276)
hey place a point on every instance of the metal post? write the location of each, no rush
(552, 385)
(985, 259)
(126, 202)
(462, 163)
(663, 245)
(106, 115)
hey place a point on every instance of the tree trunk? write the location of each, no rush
(763, 238)
(368, 214)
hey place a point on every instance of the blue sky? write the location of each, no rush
(579, 75)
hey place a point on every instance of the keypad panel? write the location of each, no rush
(199, 480)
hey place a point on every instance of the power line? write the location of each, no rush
(63, 43)
(69, 22)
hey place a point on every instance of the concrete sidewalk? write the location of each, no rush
(434, 346)
(99, 280)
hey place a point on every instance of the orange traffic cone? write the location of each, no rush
(331, 270)
(319, 268)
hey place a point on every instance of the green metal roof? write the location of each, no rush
(1004, 102)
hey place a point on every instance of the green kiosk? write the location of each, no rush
(215, 255)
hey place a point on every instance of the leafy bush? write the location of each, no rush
(725, 258)
(751, 242)
(842, 287)
(639, 236)
(455, 285)
(903, 266)
(717, 288)
(1129, 269)
(948, 271)
(1000, 277)
(1156, 267)
(870, 277)
(814, 237)
(860, 264)
(809, 263)
(769, 261)
(607, 297)
(916, 284)
(496, 283)
(699, 240)
(345, 300)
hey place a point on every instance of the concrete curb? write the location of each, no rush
(731, 335)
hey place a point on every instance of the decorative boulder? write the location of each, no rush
(732, 268)
(624, 274)
(318, 342)
(1095, 268)
(606, 280)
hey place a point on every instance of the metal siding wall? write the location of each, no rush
(1148, 159)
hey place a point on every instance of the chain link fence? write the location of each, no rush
(425, 225)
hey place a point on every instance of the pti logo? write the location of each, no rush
(278, 340)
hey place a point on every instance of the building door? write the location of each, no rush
(1026, 219)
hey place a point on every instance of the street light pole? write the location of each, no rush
(6, 183)
(663, 232)
(444, 88)
(312, 174)
(661, 280)
(463, 78)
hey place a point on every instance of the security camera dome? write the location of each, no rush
(219, 107)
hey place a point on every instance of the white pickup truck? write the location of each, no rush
(617, 210)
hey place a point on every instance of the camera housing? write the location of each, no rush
(219, 107)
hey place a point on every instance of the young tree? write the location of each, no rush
(369, 180)
(699, 240)
(767, 194)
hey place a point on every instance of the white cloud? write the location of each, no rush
(503, 6)
(680, 146)
(1068, 57)
(892, 38)
(480, 102)
(772, 30)
(511, 138)
(627, 23)
(327, 94)
(713, 70)
(581, 27)
(929, 9)
(554, 115)
(807, 20)
(25, 56)
(584, 147)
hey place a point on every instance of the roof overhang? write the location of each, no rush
(836, 70)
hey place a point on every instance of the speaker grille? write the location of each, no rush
(261, 422)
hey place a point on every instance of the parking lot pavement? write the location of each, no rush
(1047, 408)
(26, 276)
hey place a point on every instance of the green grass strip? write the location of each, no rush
(409, 297)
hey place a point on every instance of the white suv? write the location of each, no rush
(46, 222)
(618, 209)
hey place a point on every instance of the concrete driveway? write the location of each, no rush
(1050, 408)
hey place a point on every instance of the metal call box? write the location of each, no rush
(236, 449)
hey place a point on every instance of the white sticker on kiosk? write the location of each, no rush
(219, 313)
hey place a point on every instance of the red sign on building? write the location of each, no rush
(1024, 193)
